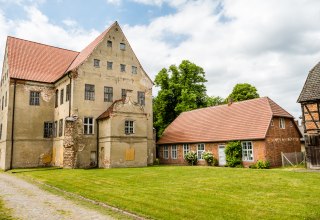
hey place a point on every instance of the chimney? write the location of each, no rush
(230, 101)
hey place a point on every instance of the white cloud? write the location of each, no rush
(70, 22)
(114, 2)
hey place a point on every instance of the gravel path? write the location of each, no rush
(28, 201)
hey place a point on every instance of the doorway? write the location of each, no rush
(222, 155)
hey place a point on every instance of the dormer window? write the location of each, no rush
(122, 46)
(96, 63)
(109, 43)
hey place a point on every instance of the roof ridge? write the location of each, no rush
(269, 102)
(42, 44)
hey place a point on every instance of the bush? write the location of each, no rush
(208, 156)
(260, 164)
(233, 154)
(191, 157)
(156, 161)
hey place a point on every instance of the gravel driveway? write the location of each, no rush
(28, 201)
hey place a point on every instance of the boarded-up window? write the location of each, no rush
(130, 153)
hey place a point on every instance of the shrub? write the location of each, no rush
(156, 161)
(210, 159)
(191, 157)
(233, 154)
(260, 164)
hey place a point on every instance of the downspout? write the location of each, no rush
(70, 77)
(12, 126)
(97, 121)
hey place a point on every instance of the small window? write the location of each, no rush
(2, 102)
(109, 43)
(108, 94)
(282, 124)
(122, 46)
(55, 129)
(47, 133)
(247, 151)
(141, 98)
(68, 92)
(200, 151)
(60, 127)
(174, 152)
(34, 98)
(272, 124)
(96, 63)
(93, 158)
(61, 96)
(128, 127)
(0, 132)
(186, 149)
(56, 98)
(88, 125)
(122, 67)
(6, 99)
(123, 94)
(134, 70)
(109, 65)
(165, 152)
(89, 92)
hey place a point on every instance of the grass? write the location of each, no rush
(5, 213)
(169, 192)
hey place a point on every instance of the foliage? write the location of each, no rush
(209, 158)
(269, 194)
(5, 213)
(181, 89)
(243, 91)
(156, 161)
(233, 153)
(214, 100)
(260, 164)
(191, 157)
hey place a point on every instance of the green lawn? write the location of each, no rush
(5, 213)
(175, 192)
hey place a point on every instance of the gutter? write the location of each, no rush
(12, 126)
(97, 165)
(70, 77)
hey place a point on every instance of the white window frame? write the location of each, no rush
(165, 152)
(88, 125)
(282, 123)
(174, 151)
(186, 149)
(200, 152)
(129, 127)
(247, 154)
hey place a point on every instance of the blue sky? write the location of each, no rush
(270, 44)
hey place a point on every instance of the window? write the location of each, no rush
(247, 151)
(282, 124)
(141, 98)
(55, 128)
(122, 46)
(134, 70)
(93, 158)
(109, 43)
(56, 98)
(272, 124)
(122, 67)
(34, 98)
(60, 127)
(123, 93)
(6, 100)
(200, 151)
(88, 125)
(89, 92)
(61, 96)
(109, 65)
(128, 127)
(96, 63)
(186, 149)
(174, 151)
(68, 92)
(291, 124)
(2, 102)
(0, 131)
(165, 152)
(47, 133)
(108, 94)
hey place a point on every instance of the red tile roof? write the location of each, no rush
(246, 120)
(37, 62)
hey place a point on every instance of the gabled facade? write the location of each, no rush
(53, 97)
(263, 127)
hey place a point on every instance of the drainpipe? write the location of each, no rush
(12, 126)
(70, 77)
(97, 121)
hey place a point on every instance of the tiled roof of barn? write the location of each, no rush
(311, 88)
(246, 120)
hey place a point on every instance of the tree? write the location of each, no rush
(214, 100)
(181, 89)
(243, 91)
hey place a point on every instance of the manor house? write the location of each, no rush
(75, 109)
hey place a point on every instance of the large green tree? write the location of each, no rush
(181, 89)
(243, 91)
